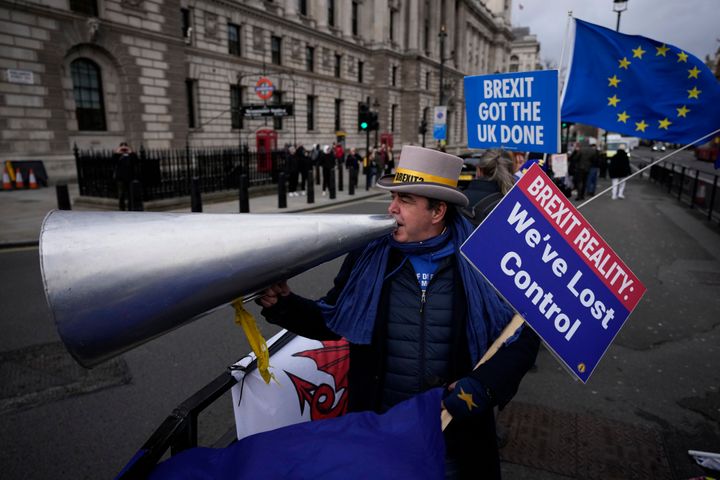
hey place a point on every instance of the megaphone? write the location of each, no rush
(115, 280)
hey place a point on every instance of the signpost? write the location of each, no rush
(552, 266)
(515, 111)
(440, 123)
(264, 88)
(258, 111)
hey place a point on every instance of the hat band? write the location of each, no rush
(403, 175)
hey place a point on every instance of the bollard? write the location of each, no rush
(351, 181)
(282, 194)
(244, 197)
(63, 197)
(317, 174)
(331, 185)
(195, 197)
(136, 200)
(340, 177)
(310, 187)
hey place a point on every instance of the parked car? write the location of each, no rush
(658, 147)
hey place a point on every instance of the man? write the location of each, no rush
(125, 164)
(582, 159)
(352, 162)
(418, 316)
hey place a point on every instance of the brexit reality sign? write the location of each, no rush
(515, 111)
(555, 270)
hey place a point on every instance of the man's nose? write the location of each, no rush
(393, 208)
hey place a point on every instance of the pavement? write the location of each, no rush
(656, 393)
(22, 211)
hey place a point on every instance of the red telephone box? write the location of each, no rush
(387, 139)
(266, 142)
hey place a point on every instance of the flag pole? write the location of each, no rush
(648, 166)
(562, 49)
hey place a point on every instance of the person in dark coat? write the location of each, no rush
(292, 169)
(352, 163)
(493, 177)
(327, 162)
(619, 169)
(418, 316)
(582, 159)
(126, 163)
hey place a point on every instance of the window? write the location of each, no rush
(338, 114)
(277, 99)
(360, 71)
(354, 20)
(88, 7)
(514, 63)
(302, 7)
(427, 80)
(310, 112)
(236, 118)
(233, 39)
(331, 12)
(392, 25)
(394, 75)
(393, 111)
(190, 87)
(186, 25)
(310, 58)
(275, 50)
(88, 93)
(338, 65)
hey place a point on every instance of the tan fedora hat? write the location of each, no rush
(428, 173)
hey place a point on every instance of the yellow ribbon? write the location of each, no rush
(258, 344)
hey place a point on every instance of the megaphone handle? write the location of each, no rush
(508, 331)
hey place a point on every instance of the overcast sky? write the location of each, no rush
(691, 25)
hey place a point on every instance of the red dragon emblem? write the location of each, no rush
(332, 358)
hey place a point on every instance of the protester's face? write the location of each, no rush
(415, 221)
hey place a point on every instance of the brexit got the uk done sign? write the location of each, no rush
(515, 111)
(555, 270)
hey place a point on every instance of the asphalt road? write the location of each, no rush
(661, 373)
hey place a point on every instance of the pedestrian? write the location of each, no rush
(352, 163)
(304, 166)
(292, 169)
(327, 162)
(370, 168)
(339, 152)
(493, 179)
(418, 316)
(593, 173)
(315, 159)
(582, 159)
(619, 169)
(126, 164)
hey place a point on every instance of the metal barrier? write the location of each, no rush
(692, 187)
(168, 173)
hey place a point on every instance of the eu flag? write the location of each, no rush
(639, 87)
(405, 442)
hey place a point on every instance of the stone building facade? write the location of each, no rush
(171, 73)
(524, 51)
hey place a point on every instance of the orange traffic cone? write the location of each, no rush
(32, 180)
(19, 182)
(6, 180)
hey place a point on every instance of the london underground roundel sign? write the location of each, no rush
(264, 88)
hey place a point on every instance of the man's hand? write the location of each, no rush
(273, 293)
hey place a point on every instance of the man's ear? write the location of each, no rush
(438, 213)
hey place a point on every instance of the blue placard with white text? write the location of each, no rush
(515, 111)
(559, 274)
(440, 131)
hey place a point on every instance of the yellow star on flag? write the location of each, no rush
(613, 100)
(694, 72)
(641, 125)
(638, 52)
(682, 57)
(622, 117)
(614, 81)
(665, 123)
(694, 93)
(624, 63)
(467, 398)
(682, 111)
(662, 50)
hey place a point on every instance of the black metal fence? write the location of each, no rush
(695, 188)
(168, 173)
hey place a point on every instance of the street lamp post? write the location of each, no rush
(442, 35)
(376, 106)
(619, 6)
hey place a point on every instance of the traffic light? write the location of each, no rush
(373, 121)
(423, 127)
(363, 117)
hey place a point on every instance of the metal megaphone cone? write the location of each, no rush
(117, 280)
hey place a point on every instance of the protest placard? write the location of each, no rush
(515, 111)
(557, 272)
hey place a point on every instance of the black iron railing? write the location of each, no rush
(693, 187)
(168, 173)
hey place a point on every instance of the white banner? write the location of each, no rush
(311, 385)
(559, 165)
(440, 116)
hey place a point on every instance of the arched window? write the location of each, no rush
(514, 63)
(88, 93)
